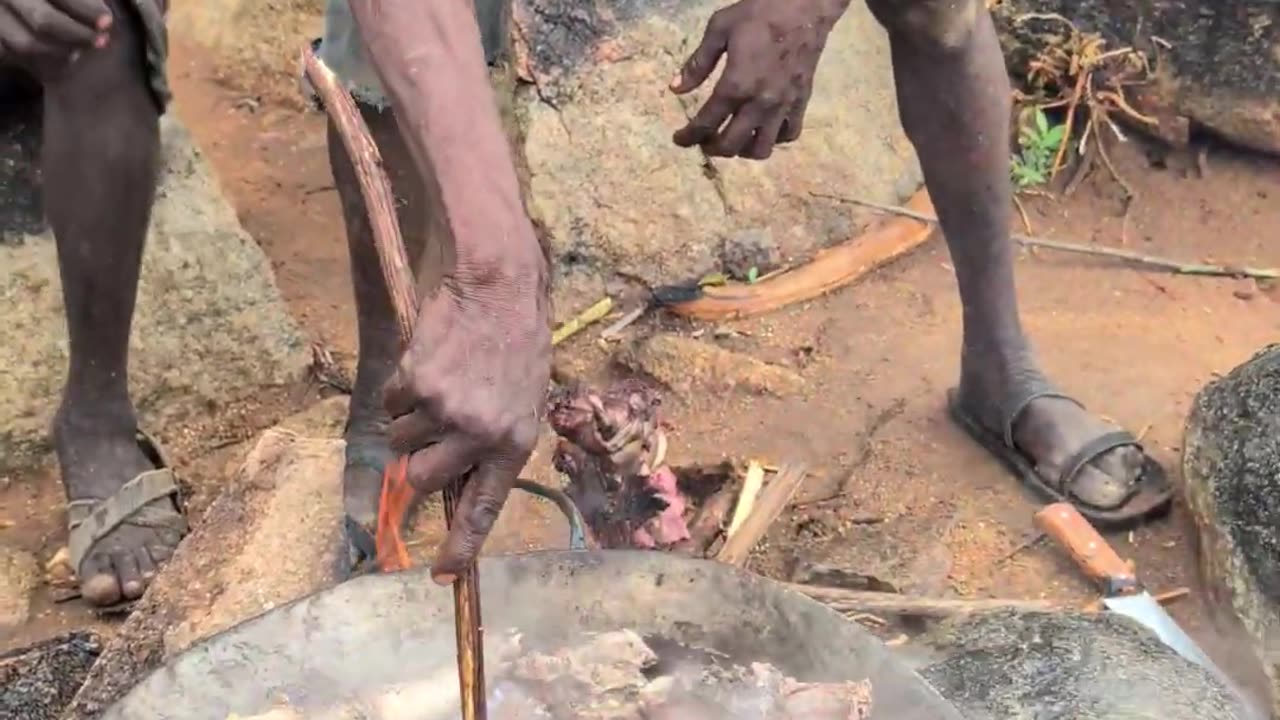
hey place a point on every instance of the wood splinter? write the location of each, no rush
(375, 188)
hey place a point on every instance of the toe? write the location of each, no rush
(131, 583)
(146, 567)
(160, 554)
(98, 582)
(1100, 489)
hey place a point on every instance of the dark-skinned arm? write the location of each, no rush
(429, 57)
(469, 392)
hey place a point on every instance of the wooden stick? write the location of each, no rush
(769, 505)
(829, 270)
(1151, 261)
(881, 603)
(751, 485)
(375, 188)
(574, 325)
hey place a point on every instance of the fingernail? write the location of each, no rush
(104, 22)
(675, 81)
(444, 579)
(100, 41)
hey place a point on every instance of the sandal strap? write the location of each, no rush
(1095, 448)
(1015, 404)
(92, 520)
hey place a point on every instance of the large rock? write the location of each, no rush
(1216, 61)
(1061, 666)
(1231, 463)
(275, 535)
(210, 326)
(613, 195)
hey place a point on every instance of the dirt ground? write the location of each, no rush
(917, 504)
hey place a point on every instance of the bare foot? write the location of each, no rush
(1050, 430)
(98, 453)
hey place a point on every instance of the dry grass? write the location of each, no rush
(1089, 81)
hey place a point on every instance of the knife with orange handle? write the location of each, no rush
(1122, 593)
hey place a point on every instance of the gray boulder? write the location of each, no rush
(210, 326)
(1063, 666)
(1231, 463)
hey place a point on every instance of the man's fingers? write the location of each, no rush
(700, 65)
(794, 123)
(19, 43)
(482, 499)
(761, 146)
(413, 432)
(93, 13)
(706, 123)
(432, 468)
(48, 23)
(736, 137)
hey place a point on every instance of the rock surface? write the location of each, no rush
(210, 326)
(19, 574)
(690, 366)
(612, 194)
(37, 682)
(1058, 666)
(1231, 464)
(275, 535)
(1217, 61)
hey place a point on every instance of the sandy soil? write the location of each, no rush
(917, 503)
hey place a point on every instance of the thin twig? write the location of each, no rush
(1022, 213)
(1150, 261)
(614, 331)
(590, 316)
(883, 603)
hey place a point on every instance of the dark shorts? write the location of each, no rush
(151, 14)
(342, 49)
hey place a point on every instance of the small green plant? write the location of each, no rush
(1038, 143)
(753, 275)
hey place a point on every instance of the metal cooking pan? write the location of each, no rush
(378, 630)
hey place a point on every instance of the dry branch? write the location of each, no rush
(392, 256)
(1149, 261)
(881, 603)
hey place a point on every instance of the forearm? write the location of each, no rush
(428, 55)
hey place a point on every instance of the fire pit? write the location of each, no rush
(379, 631)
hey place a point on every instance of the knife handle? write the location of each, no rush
(1091, 553)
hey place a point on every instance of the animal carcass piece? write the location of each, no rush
(612, 676)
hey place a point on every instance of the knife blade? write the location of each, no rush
(1122, 593)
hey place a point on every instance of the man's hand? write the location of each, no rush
(773, 48)
(469, 394)
(44, 35)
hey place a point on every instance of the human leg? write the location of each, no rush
(953, 96)
(100, 154)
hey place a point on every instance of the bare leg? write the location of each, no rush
(380, 345)
(100, 152)
(953, 95)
